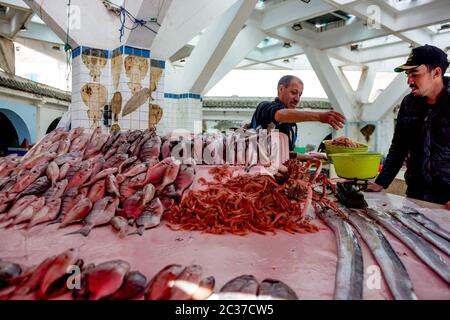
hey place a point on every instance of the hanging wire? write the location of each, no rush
(68, 48)
(124, 15)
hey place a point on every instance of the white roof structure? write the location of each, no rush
(205, 39)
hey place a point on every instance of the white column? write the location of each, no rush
(339, 98)
(387, 100)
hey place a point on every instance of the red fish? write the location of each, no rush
(57, 191)
(101, 175)
(29, 211)
(97, 191)
(161, 284)
(57, 269)
(35, 277)
(79, 178)
(132, 206)
(48, 213)
(29, 177)
(133, 286)
(106, 278)
(186, 284)
(101, 214)
(77, 213)
(53, 172)
(112, 186)
(205, 289)
(19, 206)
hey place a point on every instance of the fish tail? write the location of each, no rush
(139, 231)
(84, 231)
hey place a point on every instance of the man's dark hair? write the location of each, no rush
(430, 67)
(286, 80)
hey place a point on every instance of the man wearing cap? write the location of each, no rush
(282, 113)
(422, 134)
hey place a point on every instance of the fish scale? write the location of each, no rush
(37, 187)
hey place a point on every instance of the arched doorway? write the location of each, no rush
(11, 120)
(8, 135)
(53, 125)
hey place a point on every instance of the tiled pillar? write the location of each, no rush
(157, 80)
(98, 74)
(90, 84)
(182, 111)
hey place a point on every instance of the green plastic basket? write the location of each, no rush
(356, 165)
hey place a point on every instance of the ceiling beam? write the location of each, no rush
(213, 46)
(293, 11)
(247, 39)
(143, 37)
(336, 92)
(183, 21)
(387, 100)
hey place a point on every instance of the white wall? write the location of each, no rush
(48, 70)
(311, 133)
(48, 114)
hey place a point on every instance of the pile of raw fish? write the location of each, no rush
(124, 178)
(66, 276)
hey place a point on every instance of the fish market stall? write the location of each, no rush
(120, 205)
(306, 262)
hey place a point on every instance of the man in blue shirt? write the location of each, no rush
(281, 113)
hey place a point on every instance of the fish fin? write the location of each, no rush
(59, 220)
(6, 223)
(84, 231)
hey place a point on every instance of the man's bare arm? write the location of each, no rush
(334, 119)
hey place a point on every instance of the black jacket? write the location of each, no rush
(265, 114)
(422, 138)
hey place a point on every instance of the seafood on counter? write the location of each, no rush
(394, 271)
(350, 265)
(416, 243)
(344, 142)
(94, 179)
(254, 203)
(246, 287)
(56, 278)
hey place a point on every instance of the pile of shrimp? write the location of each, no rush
(344, 142)
(239, 205)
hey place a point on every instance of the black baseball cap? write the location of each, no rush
(425, 55)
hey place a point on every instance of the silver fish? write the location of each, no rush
(350, 266)
(275, 289)
(431, 237)
(419, 246)
(394, 271)
(242, 287)
(427, 222)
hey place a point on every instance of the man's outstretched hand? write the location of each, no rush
(373, 187)
(333, 118)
